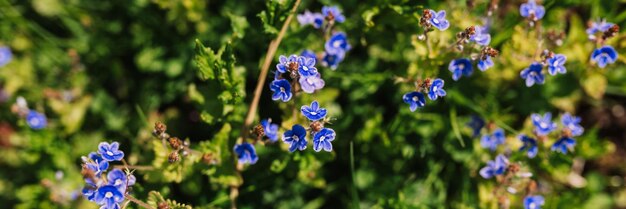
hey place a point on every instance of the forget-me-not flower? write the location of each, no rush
(555, 64)
(563, 145)
(313, 112)
(285, 64)
(311, 83)
(246, 153)
(337, 44)
(533, 202)
(495, 168)
(281, 89)
(604, 56)
(296, 138)
(439, 20)
(315, 19)
(532, 10)
(5, 55)
(572, 123)
(598, 27)
(307, 66)
(492, 141)
(481, 36)
(36, 120)
(270, 129)
(322, 139)
(108, 197)
(95, 163)
(332, 60)
(543, 124)
(460, 67)
(333, 13)
(485, 64)
(309, 54)
(110, 152)
(414, 99)
(530, 145)
(533, 74)
(120, 180)
(436, 89)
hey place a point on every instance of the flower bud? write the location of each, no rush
(175, 143)
(173, 157)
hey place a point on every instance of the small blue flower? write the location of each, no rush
(120, 180)
(530, 145)
(555, 64)
(281, 89)
(322, 139)
(314, 112)
(460, 67)
(307, 66)
(532, 10)
(246, 153)
(492, 141)
(296, 138)
(333, 12)
(332, 60)
(311, 83)
(485, 64)
(271, 129)
(543, 124)
(533, 74)
(309, 54)
(95, 163)
(563, 144)
(284, 63)
(572, 123)
(5, 55)
(36, 120)
(476, 123)
(604, 56)
(533, 202)
(495, 168)
(110, 152)
(315, 19)
(436, 89)
(89, 191)
(414, 99)
(108, 197)
(337, 44)
(598, 27)
(439, 20)
(482, 36)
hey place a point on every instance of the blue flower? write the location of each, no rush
(281, 89)
(89, 191)
(476, 123)
(533, 74)
(307, 66)
(309, 54)
(337, 44)
(482, 36)
(530, 145)
(314, 112)
(5, 55)
(108, 197)
(285, 64)
(439, 20)
(246, 153)
(436, 89)
(543, 124)
(110, 152)
(315, 19)
(120, 180)
(414, 99)
(296, 138)
(332, 60)
(532, 10)
(533, 202)
(572, 123)
(95, 163)
(604, 55)
(492, 141)
(460, 67)
(322, 139)
(598, 27)
(271, 129)
(485, 64)
(333, 12)
(494, 168)
(311, 83)
(563, 144)
(555, 64)
(36, 120)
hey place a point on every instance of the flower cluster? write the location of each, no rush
(544, 126)
(34, 119)
(322, 137)
(554, 63)
(336, 44)
(599, 32)
(430, 19)
(105, 187)
(433, 89)
(178, 146)
(5, 55)
(299, 68)
(463, 66)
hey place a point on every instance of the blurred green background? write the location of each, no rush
(108, 70)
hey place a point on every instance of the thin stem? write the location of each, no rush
(138, 202)
(135, 167)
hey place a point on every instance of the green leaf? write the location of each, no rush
(155, 198)
(205, 60)
(223, 172)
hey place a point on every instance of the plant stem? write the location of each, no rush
(138, 202)
(135, 167)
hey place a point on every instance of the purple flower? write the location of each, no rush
(485, 64)
(543, 124)
(36, 120)
(482, 36)
(604, 56)
(530, 145)
(246, 153)
(436, 89)
(333, 12)
(439, 20)
(563, 145)
(108, 197)
(315, 19)
(572, 123)
(495, 168)
(332, 60)
(284, 63)
(296, 138)
(311, 83)
(532, 11)
(271, 129)
(533, 74)
(414, 99)
(281, 89)
(337, 44)
(555, 64)
(492, 141)
(5, 55)
(306, 67)
(533, 202)
(460, 67)
(313, 112)
(322, 139)
(110, 152)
